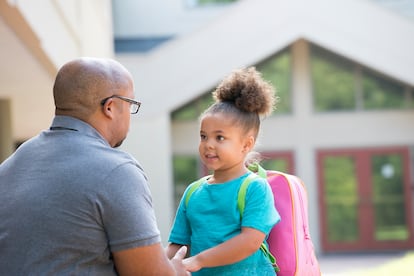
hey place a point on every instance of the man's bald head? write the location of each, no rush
(81, 84)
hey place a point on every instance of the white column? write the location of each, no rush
(149, 141)
(305, 161)
(6, 135)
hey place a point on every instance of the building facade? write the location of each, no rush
(344, 118)
(343, 71)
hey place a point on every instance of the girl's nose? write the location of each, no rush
(209, 143)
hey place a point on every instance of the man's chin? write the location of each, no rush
(117, 145)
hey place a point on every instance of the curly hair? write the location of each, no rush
(246, 97)
(248, 91)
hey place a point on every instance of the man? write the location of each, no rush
(71, 203)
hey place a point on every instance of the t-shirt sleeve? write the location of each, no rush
(126, 210)
(181, 231)
(260, 212)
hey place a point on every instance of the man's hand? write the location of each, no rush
(177, 262)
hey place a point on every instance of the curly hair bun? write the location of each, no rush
(248, 91)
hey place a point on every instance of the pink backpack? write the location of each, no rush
(289, 240)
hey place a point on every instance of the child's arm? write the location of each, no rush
(228, 252)
(172, 249)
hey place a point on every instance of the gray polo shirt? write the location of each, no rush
(67, 200)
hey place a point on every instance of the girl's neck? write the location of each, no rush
(224, 176)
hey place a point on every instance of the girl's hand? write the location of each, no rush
(192, 264)
(229, 252)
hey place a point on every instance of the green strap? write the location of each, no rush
(241, 197)
(256, 168)
(193, 188)
(269, 255)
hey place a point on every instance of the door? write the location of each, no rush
(365, 199)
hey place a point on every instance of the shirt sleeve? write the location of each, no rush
(125, 206)
(260, 212)
(181, 230)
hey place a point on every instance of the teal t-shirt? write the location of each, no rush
(212, 217)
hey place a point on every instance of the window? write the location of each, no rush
(333, 81)
(341, 85)
(381, 93)
(277, 70)
(186, 170)
(193, 110)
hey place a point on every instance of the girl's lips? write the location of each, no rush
(210, 158)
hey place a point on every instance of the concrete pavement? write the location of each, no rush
(344, 264)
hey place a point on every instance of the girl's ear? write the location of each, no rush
(249, 143)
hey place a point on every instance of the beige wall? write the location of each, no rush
(37, 38)
(68, 29)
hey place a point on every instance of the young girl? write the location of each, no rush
(221, 241)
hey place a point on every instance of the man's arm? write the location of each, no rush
(149, 260)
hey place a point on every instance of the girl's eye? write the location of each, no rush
(220, 138)
(202, 137)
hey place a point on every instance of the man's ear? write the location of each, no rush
(108, 108)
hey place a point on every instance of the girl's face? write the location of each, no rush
(223, 147)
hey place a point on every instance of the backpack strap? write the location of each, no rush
(241, 201)
(193, 188)
(241, 196)
(270, 256)
(256, 168)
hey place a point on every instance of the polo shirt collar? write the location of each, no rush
(61, 122)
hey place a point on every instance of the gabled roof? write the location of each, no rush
(255, 29)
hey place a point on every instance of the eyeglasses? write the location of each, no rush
(133, 105)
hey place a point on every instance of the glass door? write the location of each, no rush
(390, 214)
(365, 199)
